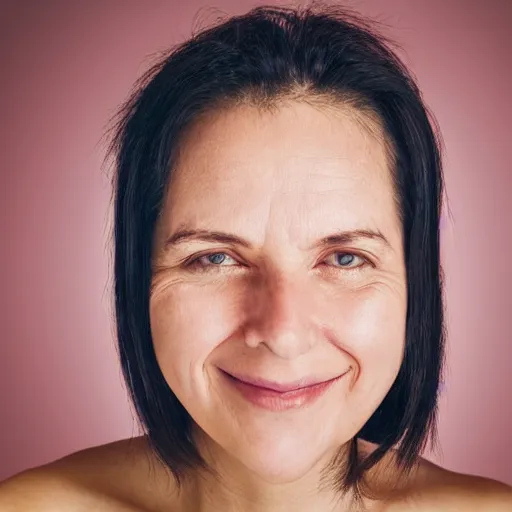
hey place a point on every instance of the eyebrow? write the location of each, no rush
(347, 237)
(204, 235)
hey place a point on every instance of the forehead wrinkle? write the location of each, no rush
(213, 137)
(281, 182)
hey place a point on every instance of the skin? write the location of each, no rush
(280, 310)
(279, 307)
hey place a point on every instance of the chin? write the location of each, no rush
(283, 461)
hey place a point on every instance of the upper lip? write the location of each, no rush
(281, 387)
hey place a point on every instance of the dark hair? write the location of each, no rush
(264, 56)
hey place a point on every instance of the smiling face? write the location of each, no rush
(279, 257)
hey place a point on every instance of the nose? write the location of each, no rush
(280, 318)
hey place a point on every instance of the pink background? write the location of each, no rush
(65, 66)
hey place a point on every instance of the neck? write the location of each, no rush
(233, 487)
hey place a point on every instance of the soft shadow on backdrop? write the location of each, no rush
(65, 66)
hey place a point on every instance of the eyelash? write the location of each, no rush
(196, 265)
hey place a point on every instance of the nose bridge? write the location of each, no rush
(282, 319)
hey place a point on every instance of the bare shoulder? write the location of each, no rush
(103, 478)
(43, 489)
(437, 489)
(430, 487)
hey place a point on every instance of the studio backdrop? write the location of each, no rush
(66, 66)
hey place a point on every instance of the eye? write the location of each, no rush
(346, 260)
(213, 259)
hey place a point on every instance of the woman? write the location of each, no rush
(277, 280)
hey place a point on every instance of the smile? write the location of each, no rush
(279, 397)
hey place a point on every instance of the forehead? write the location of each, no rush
(322, 165)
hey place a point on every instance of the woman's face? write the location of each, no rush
(265, 270)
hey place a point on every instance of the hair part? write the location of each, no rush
(330, 57)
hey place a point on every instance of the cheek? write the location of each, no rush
(374, 322)
(371, 328)
(187, 323)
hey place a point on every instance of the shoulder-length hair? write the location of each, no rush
(264, 56)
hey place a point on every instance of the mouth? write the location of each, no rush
(280, 396)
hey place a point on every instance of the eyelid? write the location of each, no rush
(194, 259)
(347, 250)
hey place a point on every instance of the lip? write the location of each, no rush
(277, 396)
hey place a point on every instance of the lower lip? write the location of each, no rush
(277, 401)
